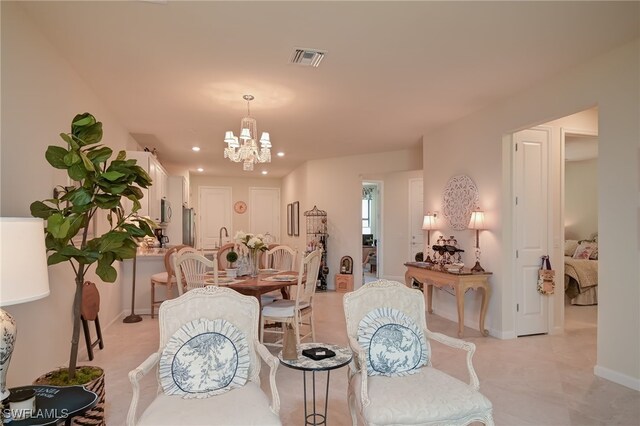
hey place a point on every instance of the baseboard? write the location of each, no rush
(617, 377)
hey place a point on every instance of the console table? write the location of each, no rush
(460, 282)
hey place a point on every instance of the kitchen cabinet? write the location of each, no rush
(159, 187)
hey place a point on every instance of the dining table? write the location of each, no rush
(266, 282)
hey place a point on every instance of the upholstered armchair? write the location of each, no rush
(208, 364)
(391, 378)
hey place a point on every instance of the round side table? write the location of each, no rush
(343, 357)
(55, 404)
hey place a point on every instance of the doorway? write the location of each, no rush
(371, 230)
(539, 220)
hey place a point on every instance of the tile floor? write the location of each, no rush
(537, 380)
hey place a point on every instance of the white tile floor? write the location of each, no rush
(537, 380)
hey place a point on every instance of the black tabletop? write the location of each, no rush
(57, 403)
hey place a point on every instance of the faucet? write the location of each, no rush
(226, 234)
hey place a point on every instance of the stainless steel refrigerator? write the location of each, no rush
(188, 227)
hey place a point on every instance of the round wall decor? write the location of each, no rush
(240, 207)
(460, 198)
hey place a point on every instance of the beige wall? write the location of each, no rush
(335, 185)
(581, 199)
(239, 192)
(474, 146)
(40, 96)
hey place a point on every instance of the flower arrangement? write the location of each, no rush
(252, 242)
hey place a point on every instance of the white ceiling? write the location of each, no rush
(174, 74)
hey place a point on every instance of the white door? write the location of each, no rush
(214, 212)
(416, 216)
(531, 227)
(264, 211)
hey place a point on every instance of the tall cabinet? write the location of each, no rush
(159, 188)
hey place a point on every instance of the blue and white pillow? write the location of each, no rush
(394, 344)
(204, 358)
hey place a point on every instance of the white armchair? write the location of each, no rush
(243, 405)
(426, 397)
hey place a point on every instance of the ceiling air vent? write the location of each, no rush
(307, 57)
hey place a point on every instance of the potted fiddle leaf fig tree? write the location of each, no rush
(100, 185)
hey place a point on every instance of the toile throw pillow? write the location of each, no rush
(394, 344)
(204, 358)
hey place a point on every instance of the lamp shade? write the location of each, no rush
(23, 260)
(429, 222)
(477, 220)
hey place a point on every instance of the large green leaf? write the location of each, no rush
(81, 120)
(112, 240)
(41, 210)
(56, 258)
(107, 272)
(112, 175)
(90, 134)
(133, 230)
(55, 156)
(107, 201)
(122, 155)
(80, 196)
(87, 163)
(100, 155)
(57, 225)
(77, 172)
(71, 158)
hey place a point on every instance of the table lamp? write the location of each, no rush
(23, 278)
(428, 224)
(477, 223)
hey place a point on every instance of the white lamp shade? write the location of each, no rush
(265, 140)
(477, 220)
(24, 276)
(245, 134)
(429, 222)
(228, 137)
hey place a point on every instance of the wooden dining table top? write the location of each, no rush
(257, 286)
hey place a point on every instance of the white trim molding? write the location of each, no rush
(617, 377)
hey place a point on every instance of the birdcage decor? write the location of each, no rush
(317, 238)
(316, 221)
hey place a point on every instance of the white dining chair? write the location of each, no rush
(294, 312)
(195, 271)
(282, 258)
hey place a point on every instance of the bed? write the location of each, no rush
(581, 271)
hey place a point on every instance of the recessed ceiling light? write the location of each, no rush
(196, 148)
(264, 172)
(280, 154)
(200, 169)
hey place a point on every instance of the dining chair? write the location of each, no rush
(294, 312)
(282, 258)
(391, 378)
(222, 256)
(166, 278)
(207, 365)
(195, 271)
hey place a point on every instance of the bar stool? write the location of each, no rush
(167, 278)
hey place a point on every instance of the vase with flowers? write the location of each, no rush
(252, 245)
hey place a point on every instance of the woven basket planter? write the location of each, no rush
(94, 416)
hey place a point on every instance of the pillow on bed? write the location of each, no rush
(584, 250)
(594, 253)
(570, 247)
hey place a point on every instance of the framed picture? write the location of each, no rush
(296, 218)
(290, 219)
(346, 265)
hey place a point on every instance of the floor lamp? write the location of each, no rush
(428, 224)
(477, 222)
(24, 277)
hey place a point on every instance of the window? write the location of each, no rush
(366, 216)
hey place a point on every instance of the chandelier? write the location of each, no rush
(246, 152)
